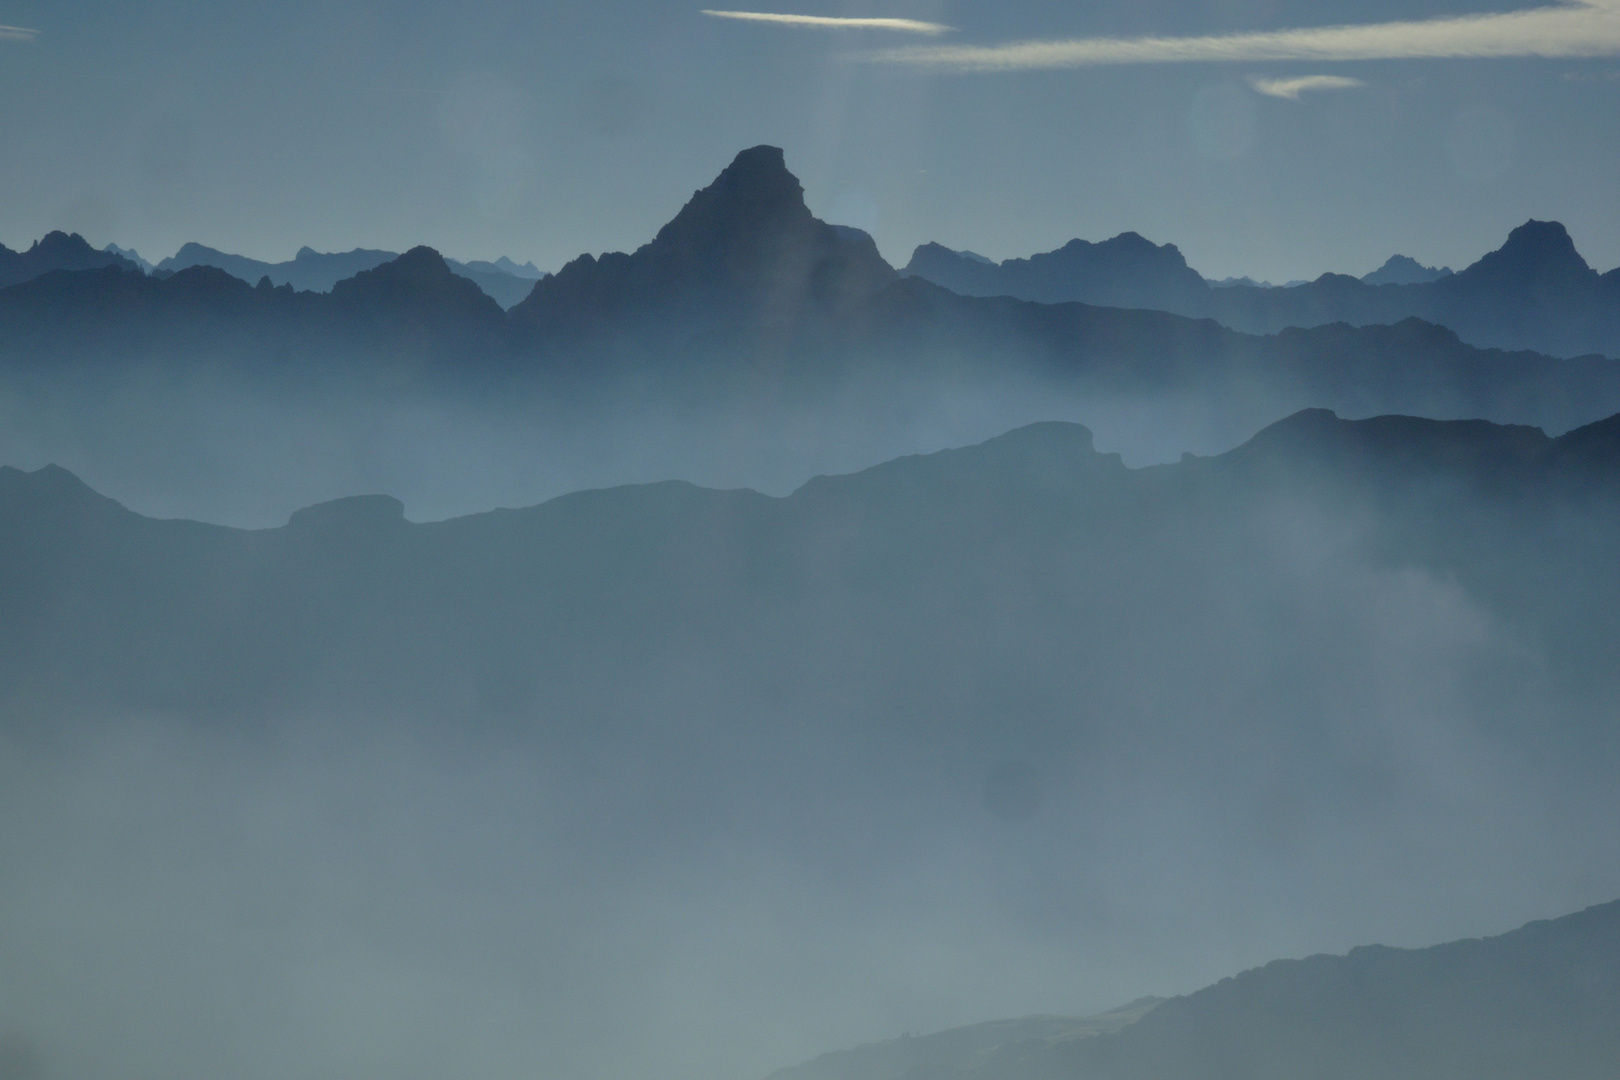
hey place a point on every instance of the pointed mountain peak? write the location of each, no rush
(755, 191)
(746, 249)
(1536, 251)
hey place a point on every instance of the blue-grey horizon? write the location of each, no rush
(546, 131)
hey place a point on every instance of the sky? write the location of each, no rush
(1239, 130)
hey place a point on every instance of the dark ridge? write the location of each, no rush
(1125, 271)
(745, 249)
(56, 251)
(1538, 1001)
(1534, 292)
(419, 288)
(1595, 446)
(1536, 255)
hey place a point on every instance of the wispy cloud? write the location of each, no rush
(17, 33)
(1291, 88)
(1583, 28)
(824, 22)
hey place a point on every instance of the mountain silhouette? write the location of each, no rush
(55, 251)
(308, 270)
(132, 255)
(315, 271)
(527, 271)
(1535, 292)
(1484, 504)
(408, 311)
(1403, 270)
(1536, 252)
(418, 285)
(1218, 678)
(745, 293)
(743, 250)
(1127, 271)
(1537, 1001)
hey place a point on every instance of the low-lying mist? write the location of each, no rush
(200, 443)
(969, 737)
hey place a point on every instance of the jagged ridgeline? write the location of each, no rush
(1535, 292)
(686, 773)
(745, 291)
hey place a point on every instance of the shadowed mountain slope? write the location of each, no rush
(1539, 1001)
(745, 249)
(1127, 271)
(746, 296)
(404, 314)
(1535, 292)
(428, 330)
(368, 592)
(315, 271)
(1016, 686)
(55, 251)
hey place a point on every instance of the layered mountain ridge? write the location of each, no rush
(1015, 686)
(503, 280)
(1534, 292)
(55, 251)
(745, 292)
(746, 249)
(1485, 471)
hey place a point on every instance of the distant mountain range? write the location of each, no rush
(859, 592)
(131, 254)
(55, 251)
(744, 288)
(1019, 663)
(505, 281)
(1127, 271)
(1403, 270)
(746, 251)
(1535, 292)
(1537, 1002)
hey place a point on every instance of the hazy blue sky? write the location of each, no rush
(547, 128)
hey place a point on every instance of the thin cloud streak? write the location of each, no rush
(824, 22)
(17, 33)
(1586, 28)
(1292, 88)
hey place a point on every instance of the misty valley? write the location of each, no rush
(743, 658)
